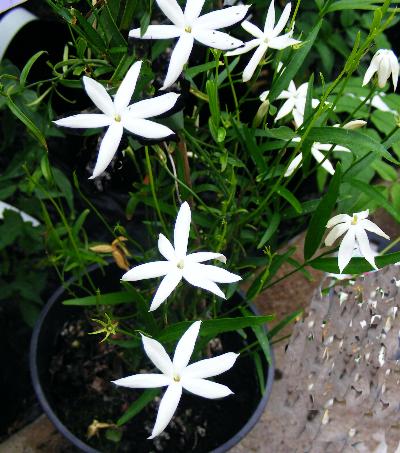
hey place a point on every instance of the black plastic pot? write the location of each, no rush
(44, 337)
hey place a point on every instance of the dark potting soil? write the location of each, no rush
(81, 391)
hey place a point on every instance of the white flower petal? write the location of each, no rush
(179, 58)
(158, 355)
(127, 87)
(355, 124)
(182, 230)
(302, 90)
(143, 381)
(370, 226)
(296, 163)
(206, 389)
(184, 348)
(270, 19)
(85, 120)
(338, 219)
(364, 246)
(328, 146)
(98, 94)
(285, 94)
(108, 148)
(222, 18)
(319, 157)
(148, 270)
(211, 367)
(336, 232)
(167, 285)
(167, 408)
(281, 42)
(199, 257)
(283, 19)
(378, 103)
(254, 62)
(252, 29)
(165, 247)
(192, 10)
(362, 215)
(213, 273)
(298, 117)
(149, 108)
(145, 128)
(368, 75)
(200, 282)
(250, 45)
(394, 66)
(216, 39)
(383, 72)
(157, 32)
(172, 10)
(286, 108)
(346, 249)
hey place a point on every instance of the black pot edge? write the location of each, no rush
(235, 439)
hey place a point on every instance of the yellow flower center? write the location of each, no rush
(177, 378)
(355, 219)
(117, 118)
(180, 264)
(188, 29)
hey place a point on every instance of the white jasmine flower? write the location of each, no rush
(8, 4)
(378, 103)
(118, 115)
(189, 26)
(316, 149)
(180, 265)
(355, 228)
(178, 375)
(25, 217)
(295, 102)
(265, 39)
(384, 63)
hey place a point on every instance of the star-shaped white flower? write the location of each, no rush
(316, 149)
(295, 102)
(269, 38)
(119, 115)
(180, 265)
(189, 26)
(384, 63)
(355, 236)
(178, 375)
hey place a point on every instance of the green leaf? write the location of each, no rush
(352, 139)
(356, 265)
(121, 297)
(285, 321)
(321, 216)
(138, 405)
(375, 195)
(86, 28)
(27, 121)
(272, 227)
(290, 198)
(213, 327)
(28, 66)
(282, 81)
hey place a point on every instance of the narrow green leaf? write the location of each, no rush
(356, 265)
(285, 321)
(290, 198)
(28, 66)
(144, 399)
(27, 121)
(272, 227)
(213, 327)
(121, 297)
(352, 139)
(321, 216)
(375, 195)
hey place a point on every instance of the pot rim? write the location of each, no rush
(44, 403)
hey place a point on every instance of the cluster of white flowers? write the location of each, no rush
(118, 114)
